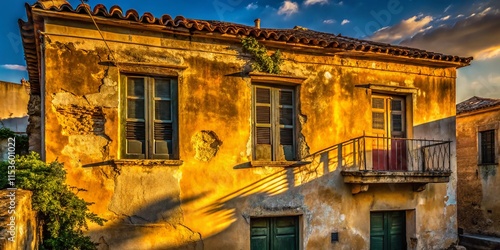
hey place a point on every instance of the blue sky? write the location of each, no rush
(464, 28)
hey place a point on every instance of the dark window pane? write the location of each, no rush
(163, 110)
(286, 116)
(396, 105)
(263, 95)
(263, 135)
(162, 88)
(378, 103)
(286, 136)
(286, 97)
(163, 131)
(397, 123)
(263, 114)
(378, 120)
(135, 130)
(488, 146)
(135, 108)
(135, 87)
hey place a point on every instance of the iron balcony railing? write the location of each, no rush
(371, 153)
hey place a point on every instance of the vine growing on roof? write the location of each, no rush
(263, 62)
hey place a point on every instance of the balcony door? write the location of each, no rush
(388, 124)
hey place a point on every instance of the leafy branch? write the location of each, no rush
(62, 215)
(262, 61)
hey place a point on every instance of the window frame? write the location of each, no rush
(388, 112)
(149, 118)
(275, 125)
(492, 147)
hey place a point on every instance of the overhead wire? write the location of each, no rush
(87, 8)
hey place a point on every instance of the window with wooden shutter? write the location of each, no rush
(274, 123)
(151, 118)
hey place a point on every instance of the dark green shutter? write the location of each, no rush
(259, 235)
(263, 128)
(388, 230)
(279, 233)
(136, 118)
(286, 124)
(164, 115)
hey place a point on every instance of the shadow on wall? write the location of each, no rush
(152, 222)
(159, 224)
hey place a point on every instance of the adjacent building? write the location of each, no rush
(14, 111)
(181, 146)
(478, 147)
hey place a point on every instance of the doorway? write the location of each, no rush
(389, 126)
(388, 230)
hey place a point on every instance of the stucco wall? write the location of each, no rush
(479, 185)
(208, 204)
(14, 102)
(18, 224)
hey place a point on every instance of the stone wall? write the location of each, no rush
(478, 185)
(207, 199)
(18, 224)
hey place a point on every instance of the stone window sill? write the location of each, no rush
(146, 163)
(284, 164)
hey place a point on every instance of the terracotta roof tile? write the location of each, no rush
(299, 36)
(476, 103)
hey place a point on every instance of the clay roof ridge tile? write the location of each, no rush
(132, 15)
(116, 11)
(148, 17)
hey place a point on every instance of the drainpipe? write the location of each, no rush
(42, 95)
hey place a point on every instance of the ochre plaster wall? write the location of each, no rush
(208, 204)
(478, 185)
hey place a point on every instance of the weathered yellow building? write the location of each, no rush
(180, 146)
(478, 151)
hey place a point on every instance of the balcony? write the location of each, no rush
(372, 160)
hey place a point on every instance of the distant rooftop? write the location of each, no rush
(475, 103)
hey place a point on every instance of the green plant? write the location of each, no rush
(62, 215)
(22, 142)
(6, 133)
(262, 61)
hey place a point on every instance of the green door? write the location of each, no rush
(274, 233)
(388, 230)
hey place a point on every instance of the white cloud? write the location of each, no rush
(444, 18)
(459, 16)
(328, 21)
(345, 21)
(288, 8)
(311, 2)
(252, 6)
(13, 67)
(487, 53)
(404, 29)
(447, 8)
(341, 3)
(485, 11)
(477, 36)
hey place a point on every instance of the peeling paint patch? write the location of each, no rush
(206, 144)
